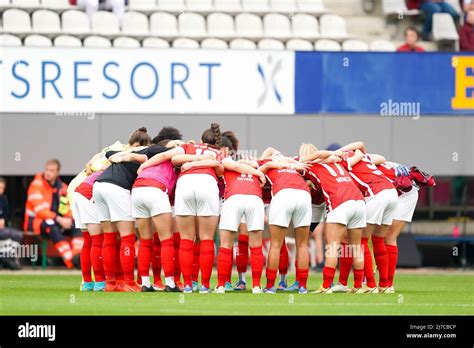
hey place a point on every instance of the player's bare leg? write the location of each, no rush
(355, 248)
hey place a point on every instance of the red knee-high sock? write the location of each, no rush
(127, 257)
(381, 259)
(118, 264)
(368, 267)
(167, 256)
(224, 265)
(206, 261)
(108, 255)
(392, 251)
(242, 258)
(302, 276)
(86, 264)
(186, 260)
(328, 276)
(96, 257)
(196, 261)
(284, 260)
(345, 264)
(156, 257)
(144, 257)
(257, 260)
(358, 277)
(271, 276)
(177, 265)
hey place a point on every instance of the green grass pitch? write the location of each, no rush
(418, 294)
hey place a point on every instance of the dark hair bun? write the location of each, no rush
(142, 129)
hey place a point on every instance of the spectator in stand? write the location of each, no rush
(430, 7)
(48, 213)
(466, 33)
(411, 38)
(92, 6)
(468, 5)
(10, 238)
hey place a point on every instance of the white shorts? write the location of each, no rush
(113, 202)
(197, 195)
(318, 212)
(382, 207)
(290, 205)
(406, 205)
(238, 206)
(149, 201)
(350, 213)
(84, 211)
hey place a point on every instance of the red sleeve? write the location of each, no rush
(414, 4)
(465, 41)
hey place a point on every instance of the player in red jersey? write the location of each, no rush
(291, 202)
(243, 203)
(407, 181)
(345, 213)
(381, 200)
(197, 204)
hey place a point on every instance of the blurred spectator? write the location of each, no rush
(466, 33)
(92, 6)
(411, 38)
(48, 213)
(430, 7)
(468, 5)
(10, 238)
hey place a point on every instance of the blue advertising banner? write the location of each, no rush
(390, 84)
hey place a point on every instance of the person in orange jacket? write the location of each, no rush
(48, 213)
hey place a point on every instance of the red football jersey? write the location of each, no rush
(367, 176)
(241, 184)
(284, 179)
(388, 171)
(336, 184)
(317, 195)
(200, 149)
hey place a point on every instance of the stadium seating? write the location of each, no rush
(444, 27)
(382, 46)
(277, 26)
(305, 26)
(164, 24)
(183, 42)
(97, 42)
(192, 25)
(105, 23)
(212, 43)
(333, 27)
(9, 40)
(135, 23)
(242, 44)
(355, 46)
(67, 41)
(16, 21)
(45, 21)
(327, 45)
(36, 40)
(270, 44)
(248, 25)
(155, 42)
(228, 20)
(126, 42)
(257, 6)
(299, 45)
(220, 25)
(75, 22)
(288, 6)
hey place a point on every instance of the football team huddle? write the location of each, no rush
(175, 195)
